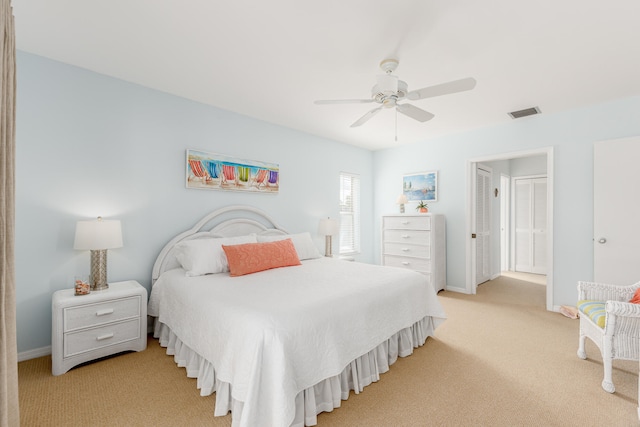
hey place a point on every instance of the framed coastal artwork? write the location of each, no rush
(421, 186)
(211, 171)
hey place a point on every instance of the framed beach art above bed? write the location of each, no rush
(211, 171)
(278, 332)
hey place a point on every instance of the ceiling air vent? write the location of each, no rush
(524, 113)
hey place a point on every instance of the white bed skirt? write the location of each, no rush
(324, 396)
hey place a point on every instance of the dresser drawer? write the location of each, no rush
(102, 336)
(100, 313)
(403, 249)
(407, 223)
(406, 236)
(417, 264)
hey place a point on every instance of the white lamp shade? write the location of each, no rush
(402, 199)
(328, 227)
(98, 234)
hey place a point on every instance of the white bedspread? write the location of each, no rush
(274, 333)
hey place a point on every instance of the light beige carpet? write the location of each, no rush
(499, 360)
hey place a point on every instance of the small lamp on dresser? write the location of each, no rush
(328, 227)
(98, 236)
(402, 200)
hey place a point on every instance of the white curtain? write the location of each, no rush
(9, 410)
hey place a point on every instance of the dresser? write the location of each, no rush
(96, 325)
(416, 242)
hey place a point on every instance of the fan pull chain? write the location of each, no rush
(396, 124)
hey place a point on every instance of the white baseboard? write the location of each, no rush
(35, 353)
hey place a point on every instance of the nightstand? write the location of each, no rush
(99, 324)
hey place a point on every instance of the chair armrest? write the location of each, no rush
(623, 318)
(605, 291)
(625, 309)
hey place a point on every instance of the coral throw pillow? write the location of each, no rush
(636, 297)
(253, 257)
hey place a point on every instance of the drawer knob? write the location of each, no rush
(104, 337)
(405, 263)
(104, 312)
(405, 222)
(405, 249)
(405, 236)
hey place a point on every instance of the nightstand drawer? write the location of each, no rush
(407, 223)
(103, 336)
(101, 313)
(402, 249)
(422, 265)
(405, 236)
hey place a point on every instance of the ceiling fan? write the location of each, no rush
(389, 90)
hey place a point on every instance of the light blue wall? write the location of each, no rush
(90, 145)
(571, 134)
(533, 165)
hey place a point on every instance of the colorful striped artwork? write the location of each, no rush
(219, 172)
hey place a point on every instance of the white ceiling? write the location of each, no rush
(270, 59)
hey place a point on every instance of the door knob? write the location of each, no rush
(602, 240)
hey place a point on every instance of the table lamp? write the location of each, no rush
(402, 200)
(328, 227)
(98, 236)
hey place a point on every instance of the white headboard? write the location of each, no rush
(225, 222)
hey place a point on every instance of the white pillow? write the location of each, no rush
(205, 256)
(302, 242)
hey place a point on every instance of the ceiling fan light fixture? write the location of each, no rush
(389, 102)
(378, 96)
(387, 84)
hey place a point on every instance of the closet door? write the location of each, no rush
(483, 226)
(616, 235)
(530, 225)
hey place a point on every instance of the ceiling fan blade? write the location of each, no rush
(366, 117)
(343, 101)
(414, 112)
(443, 89)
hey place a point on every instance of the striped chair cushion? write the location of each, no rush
(594, 310)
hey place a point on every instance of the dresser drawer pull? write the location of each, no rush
(405, 222)
(405, 249)
(104, 337)
(405, 263)
(104, 312)
(405, 236)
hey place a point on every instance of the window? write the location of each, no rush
(349, 213)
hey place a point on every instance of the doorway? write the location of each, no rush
(546, 154)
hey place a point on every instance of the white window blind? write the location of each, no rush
(349, 213)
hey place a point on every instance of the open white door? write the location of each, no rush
(505, 220)
(616, 205)
(483, 225)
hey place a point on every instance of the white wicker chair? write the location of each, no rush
(620, 337)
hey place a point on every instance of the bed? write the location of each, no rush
(281, 345)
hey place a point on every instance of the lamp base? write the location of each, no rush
(327, 246)
(98, 277)
(401, 207)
